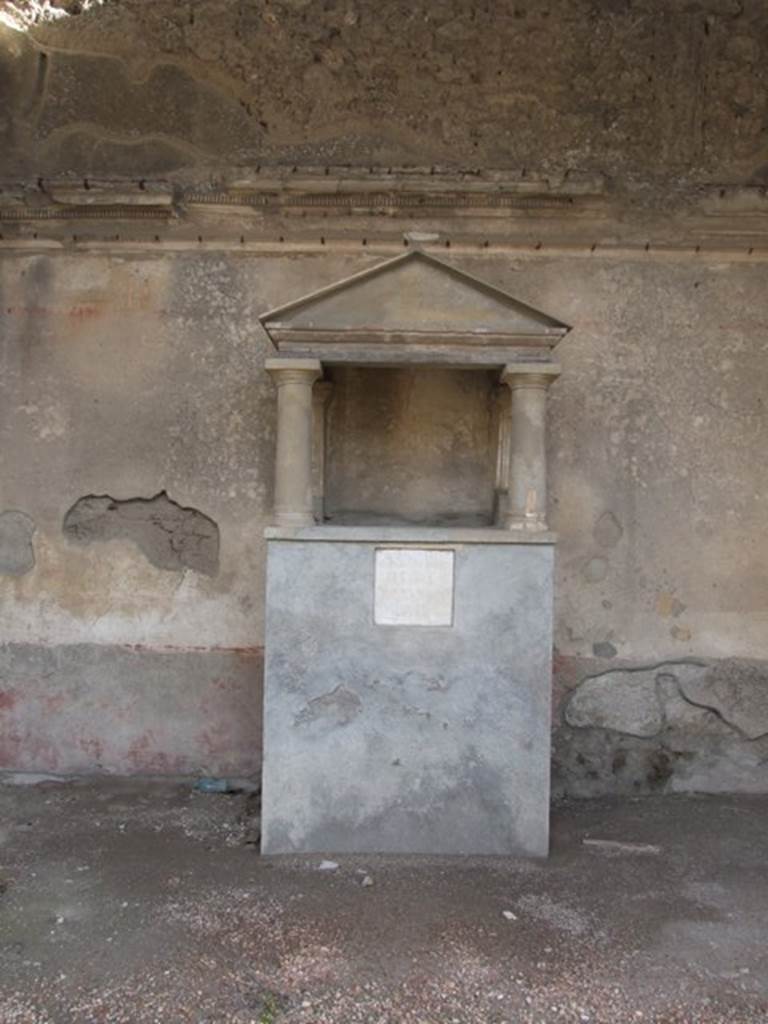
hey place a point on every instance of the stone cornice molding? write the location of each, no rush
(343, 209)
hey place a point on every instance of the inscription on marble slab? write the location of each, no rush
(413, 587)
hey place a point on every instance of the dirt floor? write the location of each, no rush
(136, 901)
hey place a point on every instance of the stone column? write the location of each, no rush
(501, 431)
(527, 503)
(293, 463)
(321, 396)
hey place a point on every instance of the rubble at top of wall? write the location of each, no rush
(648, 94)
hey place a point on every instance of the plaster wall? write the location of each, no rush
(135, 374)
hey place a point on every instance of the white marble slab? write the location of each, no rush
(413, 587)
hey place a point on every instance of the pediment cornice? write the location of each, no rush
(410, 303)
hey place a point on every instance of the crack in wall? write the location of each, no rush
(652, 667)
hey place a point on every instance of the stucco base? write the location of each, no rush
(411, 739)
(96, 707)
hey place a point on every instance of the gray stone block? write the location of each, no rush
(411, 739)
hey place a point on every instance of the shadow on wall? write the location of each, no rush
(170, 536)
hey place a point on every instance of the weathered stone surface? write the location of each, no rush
(338, 707)
(17, 554)
(406, 738)
(699, 755)
(683, 718)
(696, 748)
(725, 764)
(738, 690)
(627, 702)
(597, 762)
(170, 536)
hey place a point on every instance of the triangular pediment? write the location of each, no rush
(414, 299)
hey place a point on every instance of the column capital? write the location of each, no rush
(294, 371)
(530, 375)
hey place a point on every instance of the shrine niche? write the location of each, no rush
(408, 614)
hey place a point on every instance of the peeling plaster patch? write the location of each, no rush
(625, 701)
(634, 701)
(171, 537)
(17, 555)
(737, 690)
(338, 707)
(608, 530)
(679, 726)
(682, 716)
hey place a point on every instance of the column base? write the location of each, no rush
(525, 523)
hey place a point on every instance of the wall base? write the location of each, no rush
(94, 707)
(686, 726)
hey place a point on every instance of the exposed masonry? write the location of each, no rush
(449, 83)
(675, 726)
(17, 554)
(170, 536)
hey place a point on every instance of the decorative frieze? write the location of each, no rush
(312, 209)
